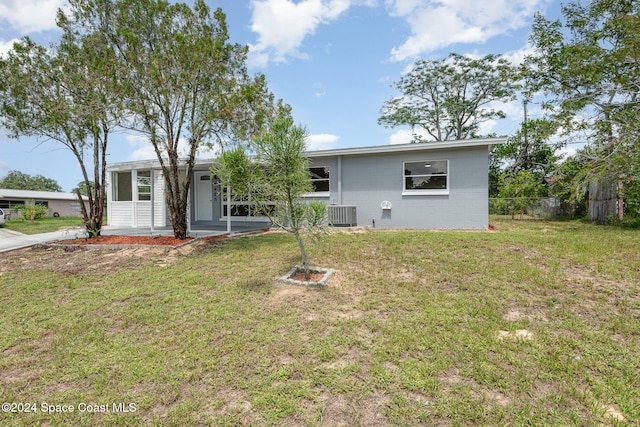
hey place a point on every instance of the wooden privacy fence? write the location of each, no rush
(603, 201)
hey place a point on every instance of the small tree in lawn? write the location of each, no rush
(276, 182)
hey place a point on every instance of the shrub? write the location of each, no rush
(32, 212)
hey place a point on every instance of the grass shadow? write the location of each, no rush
(258, 285)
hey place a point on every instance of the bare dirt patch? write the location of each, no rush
(79, 260)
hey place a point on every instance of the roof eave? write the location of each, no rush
(423, 146)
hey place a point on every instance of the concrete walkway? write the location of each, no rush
(11, 240)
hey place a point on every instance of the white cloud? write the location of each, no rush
(282, 26)
(30, 15)
(401, 137)
(517, 57)
(143, 150)
(405, 136)
(5, 47)
(438, 24)
(4, 167)
(322, 141)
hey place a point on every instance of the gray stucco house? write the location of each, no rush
(436, 185)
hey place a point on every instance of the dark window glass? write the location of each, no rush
(426, 175)
(319, 178)
(122, 188)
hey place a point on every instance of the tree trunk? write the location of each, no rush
(176, 192)
(620, 201)
(178, 218)
(303, 252)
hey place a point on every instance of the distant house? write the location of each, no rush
(59, 204)
(436, 185)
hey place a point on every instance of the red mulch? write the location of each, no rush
(128, 240)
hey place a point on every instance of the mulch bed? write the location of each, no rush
(127, 240)
(314, 277)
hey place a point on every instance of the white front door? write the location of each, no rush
(203, 196)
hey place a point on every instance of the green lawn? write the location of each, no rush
(535, 324)
(43, 225)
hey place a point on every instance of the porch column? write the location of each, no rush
(339, 180)
(152, 177)
(228, 209)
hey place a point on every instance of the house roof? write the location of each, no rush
(37, 195)
(398, 148)
(378, 149)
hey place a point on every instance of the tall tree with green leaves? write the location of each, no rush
(589, 64)
(83, 189)
(530, 149)
(65, 94)
(185, 85)
(275, 181)
(16, 180)
(448, 99)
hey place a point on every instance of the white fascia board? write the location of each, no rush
(379, 149)
(154, 164)
(399, 148)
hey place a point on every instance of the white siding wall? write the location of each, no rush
(138, 213)
(120, 214)
(142, 214)
(159, 208)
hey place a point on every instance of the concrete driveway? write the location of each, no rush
(11, 240)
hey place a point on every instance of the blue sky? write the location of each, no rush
(333, 61)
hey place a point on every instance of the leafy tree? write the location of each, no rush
(66, 95)
(590, 66)
(17, 180)
(570, 186)
(520, 190)
(83, 189)
(449, 98)
(183, 82)
(276, 182)
(529, 149)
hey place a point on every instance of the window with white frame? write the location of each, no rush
(241, 208)
(122, 187)
(426, 177)
(320, 179)
(144, 185)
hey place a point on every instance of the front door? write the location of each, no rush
(203, 196)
